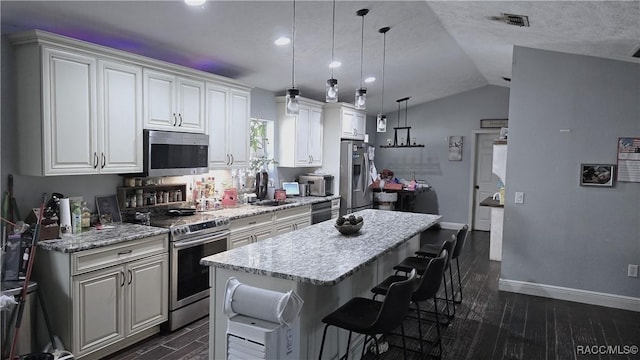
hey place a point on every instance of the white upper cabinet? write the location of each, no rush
(89, 118)
(119, 117)
(69, 124)
(300, 136)
(353, 124)
(228, 126)
(173, 103)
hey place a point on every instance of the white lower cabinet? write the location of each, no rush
(259, 227)
(335, 208)
(106, 298)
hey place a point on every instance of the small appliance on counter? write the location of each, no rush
(291, 188)
(230, 197)
(319, 185)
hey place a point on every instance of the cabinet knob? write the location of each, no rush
(104, 161)
(232, 160)
(175, 119)
(180, 116)
(130, 277)
(122, 276)
(228, 160)
(95, 160)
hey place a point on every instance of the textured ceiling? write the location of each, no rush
(434, 49)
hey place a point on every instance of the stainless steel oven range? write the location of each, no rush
(192, 238)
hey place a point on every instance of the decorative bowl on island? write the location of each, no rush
(349, 225)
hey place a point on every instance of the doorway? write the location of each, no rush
(483, 180)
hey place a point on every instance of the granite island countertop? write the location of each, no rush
(94, 238)
(319, 254)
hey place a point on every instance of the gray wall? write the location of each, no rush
(28, 189)
(564, 234)
(431, 124)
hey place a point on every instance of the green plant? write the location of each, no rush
(258, 141)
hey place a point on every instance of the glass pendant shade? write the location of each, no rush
(332, 90)
(291, 100)
(381, 121)
(361, 98)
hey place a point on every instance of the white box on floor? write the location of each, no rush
(251, 338)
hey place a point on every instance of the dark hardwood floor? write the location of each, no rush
(488, 324)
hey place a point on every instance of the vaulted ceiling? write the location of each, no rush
(434, 48)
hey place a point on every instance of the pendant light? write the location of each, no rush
(291, 99)
(361, 92)
(381, 119)
(332, 84)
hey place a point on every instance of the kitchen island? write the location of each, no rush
(322, 266)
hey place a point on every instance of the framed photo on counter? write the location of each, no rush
(108, 209)
(597, 174)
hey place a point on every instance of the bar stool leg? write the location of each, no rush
(419, 327)
(435, 309)
(324, 334)
(459, 281)
(404, 346)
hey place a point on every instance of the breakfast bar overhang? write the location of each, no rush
(324, 267)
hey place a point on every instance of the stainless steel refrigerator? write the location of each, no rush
(354, 172)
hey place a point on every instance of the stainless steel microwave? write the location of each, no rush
(168, 153)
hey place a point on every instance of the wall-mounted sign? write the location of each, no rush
(494, 123)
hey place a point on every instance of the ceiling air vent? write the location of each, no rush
(517, 20)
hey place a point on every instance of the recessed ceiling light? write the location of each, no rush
(335, 64)
(194, 2)
(370, 79)
(282, 41)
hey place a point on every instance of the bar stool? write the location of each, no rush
(370, 317)
(420, 264)
(427, 288)
(431, 251)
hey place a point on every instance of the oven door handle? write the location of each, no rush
(203, 240)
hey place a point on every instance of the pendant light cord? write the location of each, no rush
(362, 50)
(384, 53)
(333, 35)
(293, 48)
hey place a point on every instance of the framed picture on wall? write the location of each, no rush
(455, 148)
(597, 174)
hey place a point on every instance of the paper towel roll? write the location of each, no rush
(65, 214)
(261, 303)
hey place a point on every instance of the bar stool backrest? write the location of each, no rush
(449, 245)
(395, 305)
(429, 283)
(460, 240)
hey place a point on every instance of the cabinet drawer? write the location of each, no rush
(95, 259)
(293, 212)
(251, 221)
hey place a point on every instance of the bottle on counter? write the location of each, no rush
(139, 197)
(76, 217)
(86, 216)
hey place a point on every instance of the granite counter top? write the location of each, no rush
(91, 239)
(242, 211)
(319, 254)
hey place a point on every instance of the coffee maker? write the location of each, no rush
(262, 181)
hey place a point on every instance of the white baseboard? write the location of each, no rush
(569, 294)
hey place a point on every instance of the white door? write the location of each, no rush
(70, 134)
(148, 292)
(302, 138)
(485, 180)
(159, 101)
(98, 309)
(119, 117)
(348, 124)
(217, 113)
(315, 136)
(360, 126)
(239, 129)
(190, 106)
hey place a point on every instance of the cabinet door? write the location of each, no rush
(190, 110)
(240, 238)
(302, 137)
(315, 136)
(262, 233)
(148, 293)
(119, 117)
(159, 100)
(98, 309)
(360, 126)
(69, 113)
(238, 135)
(217, 114)
(302, 222)
(283, 227)
(348, 124)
